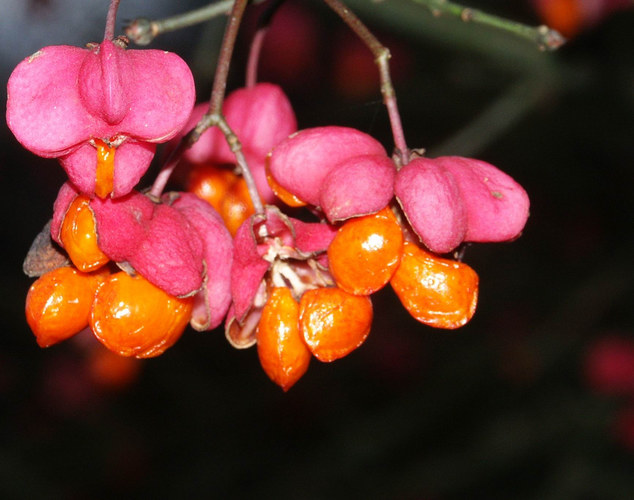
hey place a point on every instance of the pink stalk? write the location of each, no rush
(111, 20)
(381, 57)
(254, 56)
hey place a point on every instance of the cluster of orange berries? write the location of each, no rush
(127, 313)
(371, 251)
(329, 322)
(224, 190)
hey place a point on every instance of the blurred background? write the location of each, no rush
(533, 399)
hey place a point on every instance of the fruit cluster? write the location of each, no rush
(137, 267)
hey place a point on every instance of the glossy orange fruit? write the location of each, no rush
(283, 354)
(333, 322)
(132, 317)
(286, 196)
(365, 252)
(79, 236)
(236, 206)
(105, 169)
(58, 304)
(439, 292)
(210, 183)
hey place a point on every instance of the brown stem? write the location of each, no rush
(213, 117)
(224, 59)
(381, 57)
(111, 20)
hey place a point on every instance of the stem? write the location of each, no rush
(142, 31)
(111, 20)
(381, 57)
(254, 56)
(224, 58)
(213, 117)
(546, 38)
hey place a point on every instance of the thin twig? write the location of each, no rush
(111, 20)
(142, 30)
(381, 57)
(214, 118)
(546, 38)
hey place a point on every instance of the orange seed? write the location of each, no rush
(79, 236)
(132, 317)
(365, 252)
(58, 304)
(281, 349)
(438, 292)
(333, 322)
(105, 169)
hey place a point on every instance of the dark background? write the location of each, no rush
(502, 408)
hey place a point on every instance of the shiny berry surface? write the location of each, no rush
(105, 169)
(333, 322)
(438, 292)
(78, 234)
(236, 206)
(283, 354)
(58, 304)
(366, 252)
(132, 317)
(210, 183)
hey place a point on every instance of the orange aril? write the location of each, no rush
(281, 349)
(79, 236)
(334, 322)
(365, 252)
(104, 183)
(286, 196)
(132, 317)
(236, 206)
(210, 183)
(438, 292)
(58, 304)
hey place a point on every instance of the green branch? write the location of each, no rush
(545, 37)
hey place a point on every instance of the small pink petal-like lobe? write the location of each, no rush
(121, 223)
(248, 269)
(171, 254)
(261, 116)
(313, 237)
(62, 96)
(496, 206)
(155, 239)
(44, 109)
(249, 266)
(301, 162)
(131, 161)
(101, 85)
(359, 186)
(432, 203)
(162, 95)
(65, 197)
(212, 302)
